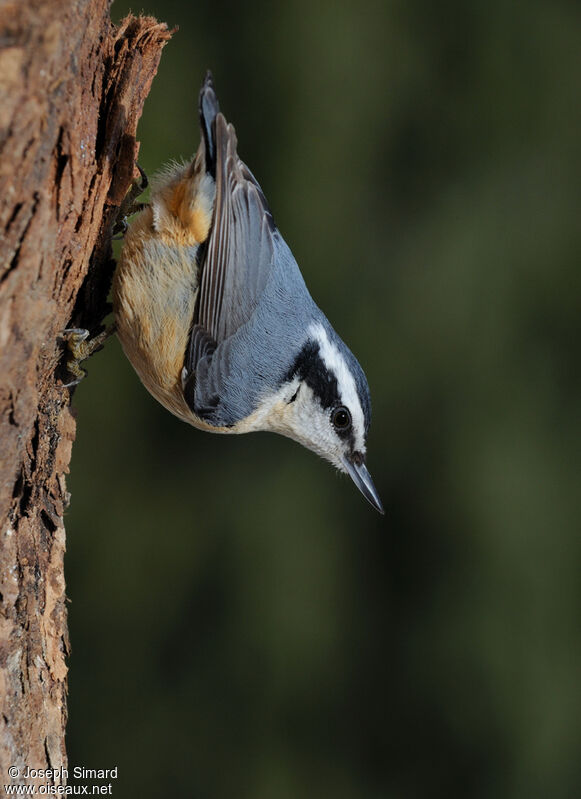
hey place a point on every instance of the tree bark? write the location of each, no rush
(72, 88)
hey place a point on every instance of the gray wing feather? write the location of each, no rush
(240, 252)
(239, 261)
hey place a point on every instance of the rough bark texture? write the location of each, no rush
(72, 87)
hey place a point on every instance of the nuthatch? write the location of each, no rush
(214, 315)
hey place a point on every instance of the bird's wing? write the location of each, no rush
(236, 264)
(240, 250)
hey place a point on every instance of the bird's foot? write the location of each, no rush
(79, 348)
(129, 206)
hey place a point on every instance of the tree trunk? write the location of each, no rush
(72, 87)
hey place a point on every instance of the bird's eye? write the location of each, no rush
(341, 419)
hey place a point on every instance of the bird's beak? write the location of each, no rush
(362, 479)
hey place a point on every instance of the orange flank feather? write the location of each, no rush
(195, 219)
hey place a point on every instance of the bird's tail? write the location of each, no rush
(209, 108)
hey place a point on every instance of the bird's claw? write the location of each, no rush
(129, 206)
(80, 347)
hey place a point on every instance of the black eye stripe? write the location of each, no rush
(294, 396)
(310, 368)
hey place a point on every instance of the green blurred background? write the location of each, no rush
(243, 624)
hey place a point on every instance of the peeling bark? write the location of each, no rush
(72, 87)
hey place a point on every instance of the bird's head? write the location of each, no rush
(323, 403)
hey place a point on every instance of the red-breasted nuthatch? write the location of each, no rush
(214, 315)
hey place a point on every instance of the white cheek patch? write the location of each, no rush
(335, 362)
(308, 416)
(303, 420)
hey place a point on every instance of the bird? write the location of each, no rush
(214, 315)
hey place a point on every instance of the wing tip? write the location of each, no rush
(209, 108)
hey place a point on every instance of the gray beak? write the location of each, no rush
(363, 481)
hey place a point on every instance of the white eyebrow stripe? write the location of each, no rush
(335, 362)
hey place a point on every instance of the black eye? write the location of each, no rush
(341, 418)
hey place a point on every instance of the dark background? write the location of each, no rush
(243, 624)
